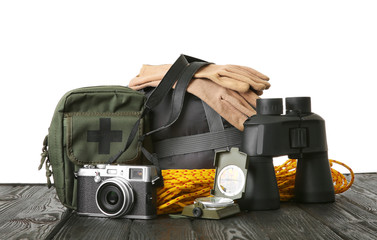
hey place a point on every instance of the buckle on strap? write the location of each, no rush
(45, 160)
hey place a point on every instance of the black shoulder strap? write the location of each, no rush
(172, 76)
(181, 72)
(179, 94)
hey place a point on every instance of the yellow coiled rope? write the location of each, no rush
(183, 186)
(285, 176)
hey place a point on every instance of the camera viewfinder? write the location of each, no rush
(136, 173)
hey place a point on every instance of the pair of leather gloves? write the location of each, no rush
(230, 90)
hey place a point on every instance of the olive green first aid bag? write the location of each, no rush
(88, 127)
(107, 125)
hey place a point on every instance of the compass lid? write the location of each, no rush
(231, 171)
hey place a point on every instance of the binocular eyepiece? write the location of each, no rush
(301, 135)
(274, 106)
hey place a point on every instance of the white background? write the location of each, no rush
(323, 49)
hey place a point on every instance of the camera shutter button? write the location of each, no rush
(97, 178)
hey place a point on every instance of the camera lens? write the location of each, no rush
(114, 197)
(110, 198)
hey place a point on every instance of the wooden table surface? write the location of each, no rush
(34, 212)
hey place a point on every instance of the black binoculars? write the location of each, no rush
(301, 135)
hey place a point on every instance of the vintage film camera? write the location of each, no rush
(117, 191)
(301, 135)
(231, 170)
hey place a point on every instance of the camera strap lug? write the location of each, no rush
(154, 181)
(159, 181)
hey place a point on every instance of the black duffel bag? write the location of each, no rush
(191, 141)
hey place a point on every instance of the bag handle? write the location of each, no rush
(172, 76)
(179, 94)
(181, 72)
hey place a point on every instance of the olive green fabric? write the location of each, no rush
(88, 127)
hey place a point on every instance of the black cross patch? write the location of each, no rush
(104, 136)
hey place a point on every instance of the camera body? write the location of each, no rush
(301, 135)
(115, 191)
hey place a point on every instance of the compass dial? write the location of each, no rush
(231, 180)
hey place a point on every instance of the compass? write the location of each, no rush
(230, 180)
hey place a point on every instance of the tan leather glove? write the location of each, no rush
(238, 78)
(234, 77)
(232, 106)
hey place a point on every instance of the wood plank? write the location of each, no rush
(363, 192)
(345, 218)
(290, 222)
(29, 212)
(106, 228)
(234, 227)
(367, 180)
(90, 228)
(12, 195)
(34, 212)
(162, 228)
(353, 215)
